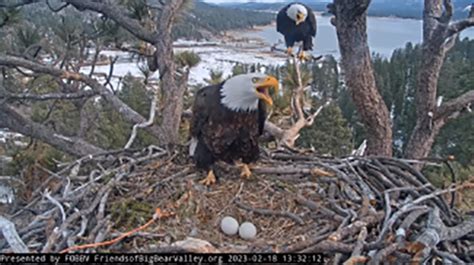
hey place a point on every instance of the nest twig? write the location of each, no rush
(359, 209)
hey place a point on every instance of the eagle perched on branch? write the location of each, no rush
(227, 120)
(297, 22)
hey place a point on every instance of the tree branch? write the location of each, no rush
(112, 11)
(16, 3)
(50, 96)
(459, 26)
(16, 122)
(455, 105)
(143, 125)
(128, 113)
(12, 237)
(437, 232)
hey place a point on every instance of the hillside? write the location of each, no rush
(384, 8)
(203, 21)
(206, 20)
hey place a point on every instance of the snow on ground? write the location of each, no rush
(224, 58)
(214, 56)
(5, 134)
(122, 68)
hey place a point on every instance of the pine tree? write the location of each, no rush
(215, 77)
(329, 135)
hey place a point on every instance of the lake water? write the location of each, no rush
(385, 35)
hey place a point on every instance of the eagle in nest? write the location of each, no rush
(297, 22)
(228, 119)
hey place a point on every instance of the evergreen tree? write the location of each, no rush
(215, 77)
(329, 135)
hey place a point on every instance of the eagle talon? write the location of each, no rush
(209, 180)
(289, 51)
(245, 173)
(302, 56)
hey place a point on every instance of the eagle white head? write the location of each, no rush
(297, 12)
(242, 92)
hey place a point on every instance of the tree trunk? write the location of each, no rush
(351, 25)
(438, 37)
(422, 139)
(172, 103)
(433, 53)
(14, 121)
(426, 128)
(173, 93)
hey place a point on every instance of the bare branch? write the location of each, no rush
(10, 118)
(50, 96)
(111, 70)
(113, 12)
(459, 26)
(310, 119)
(360, 242)
(128, 113)
(16, 3)
(144, 124)
(273, 129)
(12, 237)
(437, 232)
(452, 258)
(455, 105)
(13, 62)
(48, 196)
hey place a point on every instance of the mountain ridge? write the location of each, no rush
(383, 8)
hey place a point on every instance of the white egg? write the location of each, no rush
(247, 231)
(229, 225)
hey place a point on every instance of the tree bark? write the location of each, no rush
(438, 35)
(128, 113)
(173, 94)
(172, 103)
(13, 120)
(351, 25)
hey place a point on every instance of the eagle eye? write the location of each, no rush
(255, 80)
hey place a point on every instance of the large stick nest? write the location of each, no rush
(358, 208)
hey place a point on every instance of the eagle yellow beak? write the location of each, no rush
(263, 89)
(300, 18)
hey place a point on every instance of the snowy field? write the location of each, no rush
(4, 135)
(214, 57)
(224, 57)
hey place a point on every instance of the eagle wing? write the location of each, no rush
(205, 124)
(262, 116)
(284, 23)
(200, 113)
(312, 21)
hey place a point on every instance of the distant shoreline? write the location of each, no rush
(239, 33)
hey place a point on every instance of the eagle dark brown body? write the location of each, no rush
(224, 134)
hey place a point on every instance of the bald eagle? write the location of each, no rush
(227, 120)
(297, 22)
